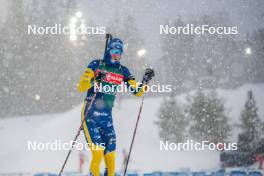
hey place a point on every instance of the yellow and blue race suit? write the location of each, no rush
(98, 127)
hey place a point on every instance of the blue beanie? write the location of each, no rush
(114, 43)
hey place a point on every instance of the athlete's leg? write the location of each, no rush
(110, 162)
(93, 137)
(109, 137)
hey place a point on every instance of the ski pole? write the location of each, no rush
(78, 133)
(134, 134)
(90, 105)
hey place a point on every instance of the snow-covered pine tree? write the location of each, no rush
(209, 122)
(250, 125)
(177, 60)
(172, 122)
(15, 61)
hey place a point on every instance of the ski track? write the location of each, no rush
(146, 155)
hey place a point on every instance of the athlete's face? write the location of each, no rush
(115, 55)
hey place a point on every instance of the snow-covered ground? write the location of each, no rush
(146, 155)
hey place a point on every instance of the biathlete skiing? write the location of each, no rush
(97, 109)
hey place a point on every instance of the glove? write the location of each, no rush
(100, 76)
(149, 74)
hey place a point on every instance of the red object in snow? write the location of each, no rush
(260, 159)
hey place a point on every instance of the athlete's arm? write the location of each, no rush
(138, 89)
(86, 79)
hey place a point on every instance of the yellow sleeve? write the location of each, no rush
(85, 81)
(136, 90)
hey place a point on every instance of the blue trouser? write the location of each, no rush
(99, 131)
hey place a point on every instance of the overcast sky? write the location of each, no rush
(149, 14)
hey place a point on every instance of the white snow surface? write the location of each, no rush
(146, 155)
